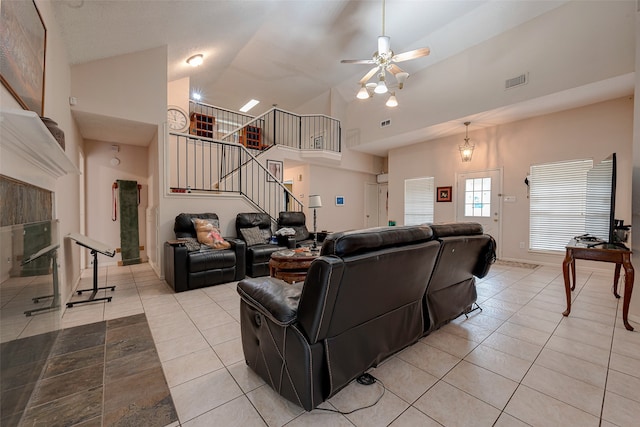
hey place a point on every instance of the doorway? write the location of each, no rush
(479, 200)
(376, 208)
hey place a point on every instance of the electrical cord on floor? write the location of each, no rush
(364, 379)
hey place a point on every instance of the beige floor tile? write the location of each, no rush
(624, 385)
(221, 333)
(538, 409)
(481, 383)
(524, 333)
(450, 343)
(181, 346)
(625, 364)
(245, 377)
(498, 362)
(464, 329)
(506, 420)
(452, 407)
(319, 417)
(230, 352)
(620, 410)
(580, 350)
(627, 344)
(204, 393)
(586, 336)
(212, 320)
(513, 346)
(429, 359)
(237, 413)
(190, 366)
(498, 313)
(504, 305)
(579, 369)
(524, 319)
(480, 318)
(565, 388)
(412, 417)
(355, 396)
(273, 408)
(404, 379)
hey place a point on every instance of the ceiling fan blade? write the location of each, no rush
(394, 69)
(368, 76)
(412, 54)
(358, 61)
(384, 45)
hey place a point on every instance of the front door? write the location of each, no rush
(478, 200)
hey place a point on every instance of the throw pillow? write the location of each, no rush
(209, 235)
(252, 236)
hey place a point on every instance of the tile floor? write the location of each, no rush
(518, 362)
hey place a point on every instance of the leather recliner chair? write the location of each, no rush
(188, 268)
(257, 255)
(465, 253)
(361, 301)
(298, 222)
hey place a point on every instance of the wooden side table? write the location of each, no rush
(606, 253)
(291, 265)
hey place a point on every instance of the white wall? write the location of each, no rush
(101, 175)
(593, 131)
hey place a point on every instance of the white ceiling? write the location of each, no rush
(288, 52)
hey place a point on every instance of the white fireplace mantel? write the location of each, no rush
(28, 151)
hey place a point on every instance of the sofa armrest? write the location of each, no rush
(175, 265)
(239, 247)
(275, 298)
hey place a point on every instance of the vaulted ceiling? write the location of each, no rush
(288, 52)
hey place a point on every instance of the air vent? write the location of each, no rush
(385, 123)
(522, 79)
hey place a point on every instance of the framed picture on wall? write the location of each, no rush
(444, 194)
(23, 40)
(318, 142)
(339, 200)
(275, 167)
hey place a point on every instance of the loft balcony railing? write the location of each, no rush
(219, 154)
(275, 127)
(206, 166)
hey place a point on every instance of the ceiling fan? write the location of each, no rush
(384, 60)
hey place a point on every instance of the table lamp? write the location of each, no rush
(315, 202)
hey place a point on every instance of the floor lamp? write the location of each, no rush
(315, 202)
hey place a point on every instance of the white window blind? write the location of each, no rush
(418, 201)
(557, 203)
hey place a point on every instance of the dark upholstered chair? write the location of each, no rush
(361, 301)
(259, 253)
(298, 222)
(188, 265)
(465, 253)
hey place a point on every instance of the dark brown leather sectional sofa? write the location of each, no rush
(370, 294)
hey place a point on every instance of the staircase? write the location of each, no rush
(224, 155)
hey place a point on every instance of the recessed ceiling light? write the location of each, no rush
(249, 105)
(195, 60)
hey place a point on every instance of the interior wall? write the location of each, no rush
(594, 131)
(101, 175)
(634, 308)
(472, 82)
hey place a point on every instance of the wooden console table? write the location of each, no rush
(606, 253)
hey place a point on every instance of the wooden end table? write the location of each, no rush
(605, 253)
(291, 265)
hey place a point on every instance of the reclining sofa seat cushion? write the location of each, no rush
(298, 222)
(258, 255)
(360, 303)
(187, 269)
(465, 252)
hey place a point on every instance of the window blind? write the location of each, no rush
(418, 200)
(557, 203)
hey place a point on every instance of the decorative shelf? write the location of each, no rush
(26, 140)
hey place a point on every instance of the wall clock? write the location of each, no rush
(177, 119)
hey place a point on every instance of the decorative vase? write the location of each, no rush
(57, 133)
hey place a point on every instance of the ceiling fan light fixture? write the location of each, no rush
(381, 87)
(384, 45)
(392, 101)
(195, 60)
(401, 77)
(363, 93)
